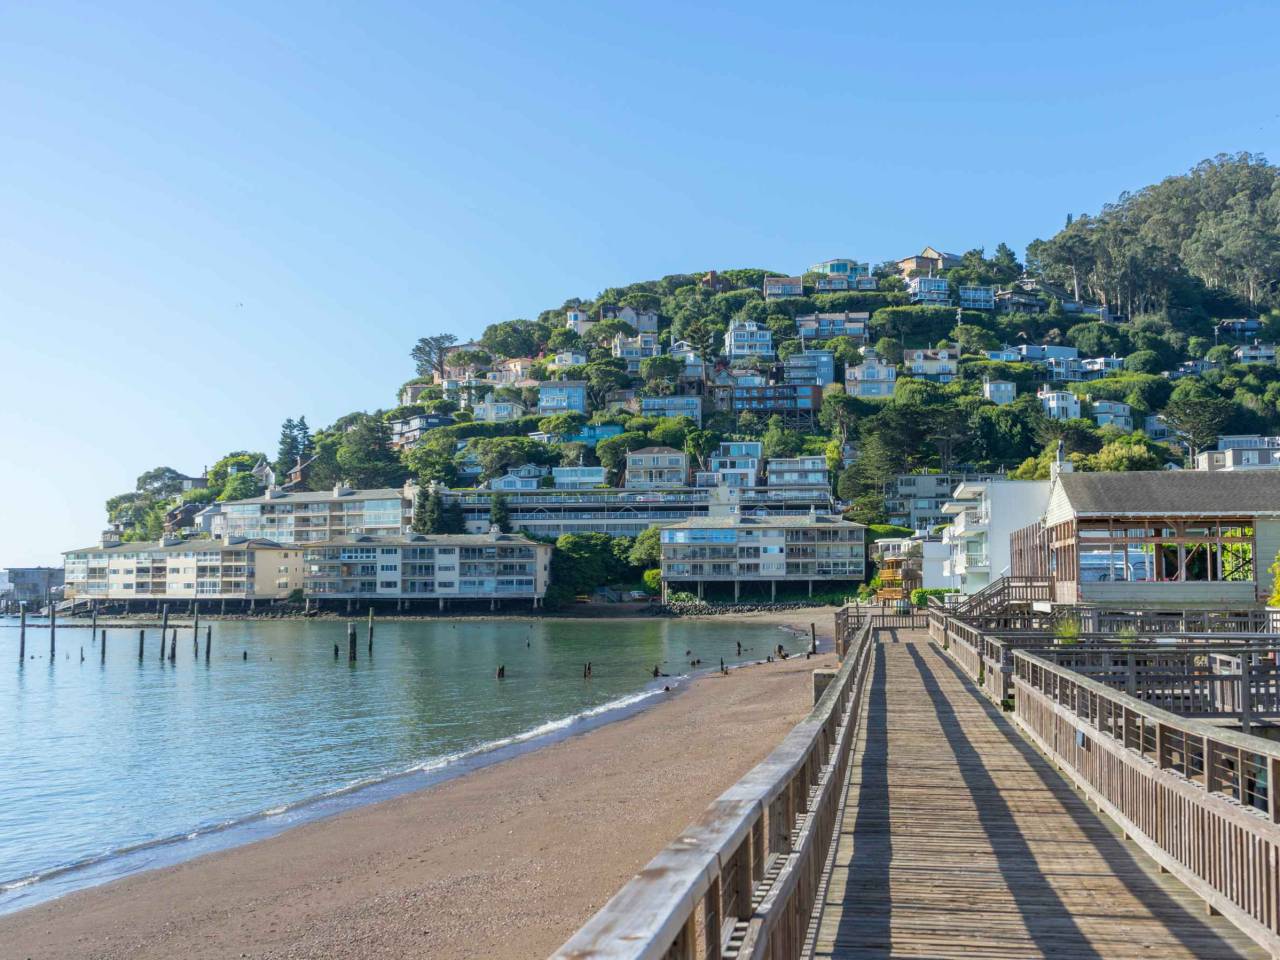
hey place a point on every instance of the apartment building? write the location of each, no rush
(984, 514)
(31, 585)
(815, 367)
(407, 432)
(312, 516)
(490, 410)
(797, 472)
(999, 392)
(929, 291)
(975, 297)
(636, 349)
(825, 326)
(776, 288)
(873, 378)
(492, 566)
(656, 468)
(1248, 441)
(941, 365)
(915, 500)
(1111, 413)
(759, 550)
(746, 338)
(690, 407)
(736, 463)
(1059, 404)
(1238, 458)
(794, 402)
(562, 396)
(834, 284)
(174, 569)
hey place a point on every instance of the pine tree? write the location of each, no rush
(287, 453)
(453, 520)
(432, 514)
(306, 443)
(421, 508)
(499, 515)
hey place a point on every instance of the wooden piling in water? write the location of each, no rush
(53, 626)
(208, 641)
(103, 649)
(370, 631)
(195, 628)
(142, 639)
(93, 626)
(164, 628)
(22, 633)
(173, 646)
(351, 642)
(813, 638)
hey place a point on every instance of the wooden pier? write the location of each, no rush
(960, 840)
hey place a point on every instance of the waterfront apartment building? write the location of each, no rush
(562, 396)
(984, 514)
(815, 367)
(760, 550)
(746, 338)
(656, 468)
(825, 326)
(776, 288)
(492, 566)
(30, 585)
(312, 516)
(690, 407)
(873, 378)
(173, 569)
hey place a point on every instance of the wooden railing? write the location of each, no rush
(743, 879)
(1003, 592)
(1204, 802)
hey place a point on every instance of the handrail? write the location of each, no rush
(1203, 801)
(761, 841)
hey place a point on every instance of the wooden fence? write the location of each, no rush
(743, 879)
(1200, 800)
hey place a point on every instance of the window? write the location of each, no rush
(388, 584)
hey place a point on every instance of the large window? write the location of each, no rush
(1168, 552)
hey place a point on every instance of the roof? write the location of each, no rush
(182, 546)
(1162, 493)
(651, 450)
(561, 383)
(427, 539)
(819, 520)
(314, 496)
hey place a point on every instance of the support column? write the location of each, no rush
(773, 590)
(736, 585)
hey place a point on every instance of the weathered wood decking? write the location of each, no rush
(960, 840)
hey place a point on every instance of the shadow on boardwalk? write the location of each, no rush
(965, 842)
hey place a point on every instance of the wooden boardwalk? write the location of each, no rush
(960, 840)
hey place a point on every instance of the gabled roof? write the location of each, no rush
(1163, 493)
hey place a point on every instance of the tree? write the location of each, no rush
(973, 339)
(1143, 361)
(778, 441)
(671, 431)
(700, 444)
(427, 510)
(661, 372)
(453, 519)
(365, 455)
(499, 515)
(160, 482)
(240, 486)
(1198, 414)
(705, 340)
(652, 580)
(562, 424)
(429, 354)
(288, 450)
(646, 550)
(612, 451)
(1129, 453)
(512, 338)
(238, 461)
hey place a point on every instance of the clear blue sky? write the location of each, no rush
(214, 219)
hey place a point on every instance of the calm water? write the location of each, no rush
(106, 769)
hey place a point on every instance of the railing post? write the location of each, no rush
(712, 920)
(1273, 789)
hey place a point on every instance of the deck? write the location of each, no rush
(959, 839)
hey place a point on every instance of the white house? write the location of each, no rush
(1111, 412)
(497, 411)
(1059, 404)
(578, 320)
(873, 377)
(983, 516)
(999, 392)
(635, 349)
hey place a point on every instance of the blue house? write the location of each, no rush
(562, 396)
(593, 433)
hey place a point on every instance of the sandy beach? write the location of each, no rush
(501, 863)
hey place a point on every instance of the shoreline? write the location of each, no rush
(42, 928)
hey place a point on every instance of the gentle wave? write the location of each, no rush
(433, 765)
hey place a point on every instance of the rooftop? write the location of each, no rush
(1160, 493)
(701, 523)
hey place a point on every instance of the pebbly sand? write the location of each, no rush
(502, 863)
